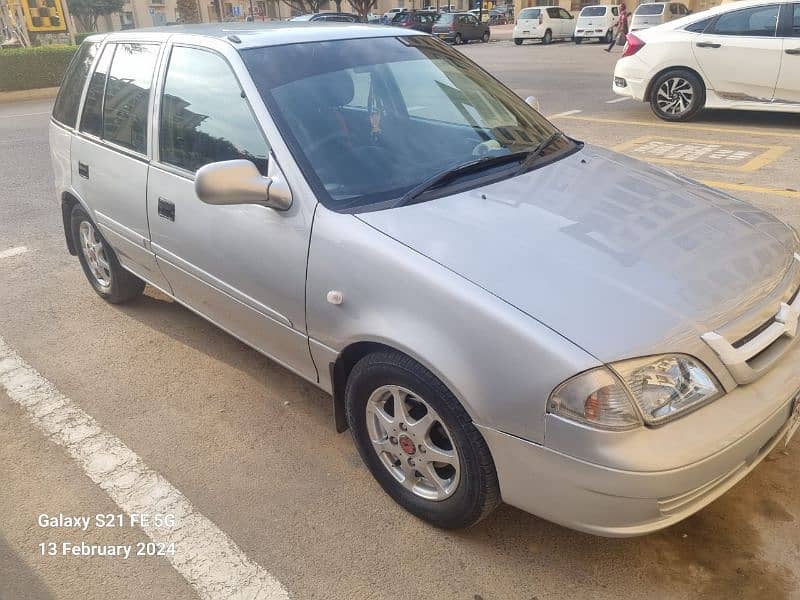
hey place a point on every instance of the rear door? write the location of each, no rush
(788, 87)
(740, 53)
(110, 155)
(567, 23)
(473, 27)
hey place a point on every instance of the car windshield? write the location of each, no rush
(650, 9)
(530, 13)
(370, 119)
(593, 11)
(444, 19)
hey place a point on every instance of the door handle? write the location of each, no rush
(83, 170)
(794, 51)
(166, 209)
(707, 45)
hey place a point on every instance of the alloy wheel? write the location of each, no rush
(674, 96)
(412, 442)
(95, 255)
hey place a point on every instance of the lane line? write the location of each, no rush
(679, 126)
(617, 100)
(565, 114)
(13, 252)
(208, 559)
(741, 187)
(36, 114)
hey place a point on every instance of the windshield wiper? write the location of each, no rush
(535, 154)
(466, 168)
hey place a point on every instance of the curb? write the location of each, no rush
(23, 95)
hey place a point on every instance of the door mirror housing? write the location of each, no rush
(533, 102)
(232, 182)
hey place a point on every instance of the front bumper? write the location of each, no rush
(623, 502)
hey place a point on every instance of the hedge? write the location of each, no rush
(32, 68)
(79, 37)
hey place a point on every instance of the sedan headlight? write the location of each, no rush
(652, 390)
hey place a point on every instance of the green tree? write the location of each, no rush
(88, 11)
(189, 11)
(363, 7)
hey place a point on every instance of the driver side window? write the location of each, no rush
(204, 116)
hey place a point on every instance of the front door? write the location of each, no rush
(740, 54)
(788, 88)
(241, 266)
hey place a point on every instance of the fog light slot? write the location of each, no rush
(620, 82)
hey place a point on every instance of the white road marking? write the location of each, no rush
(36, 114)
(206, 557)
(13, 252)
(615, 100)
(565, 114)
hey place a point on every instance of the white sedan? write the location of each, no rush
(744, 55)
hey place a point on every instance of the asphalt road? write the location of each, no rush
(253, 448)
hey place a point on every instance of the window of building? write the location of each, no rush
(128, 95)
(204, 118)
(69, 96)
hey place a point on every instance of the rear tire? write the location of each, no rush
(548, 37)
(99, 262)
(518, 41)
(458, 40)
(578, 40)
(399, 446)
(677, 95)
(485, 38)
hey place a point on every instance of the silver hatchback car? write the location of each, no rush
(499, 312)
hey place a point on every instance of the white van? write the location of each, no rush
(545, 23)
(598, 22)
(656, 13)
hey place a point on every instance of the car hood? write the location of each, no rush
(622, 258)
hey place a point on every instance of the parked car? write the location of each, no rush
(543, 23)
(499, 311)
(743, 55)
(493, 17)
(599, 22)
(657, 13)
(460, 28)
(391, 13)
(335, 17)
(421, 20)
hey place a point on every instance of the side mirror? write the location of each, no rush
(232, 182)
(533, 102)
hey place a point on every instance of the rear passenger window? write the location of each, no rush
(204, 117)
(128, 95)
(69, 96)
(92, 119)
(760, 21)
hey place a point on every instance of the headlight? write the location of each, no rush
(654, 390)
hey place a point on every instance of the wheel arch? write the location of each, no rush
(692, 70)
(68, 201)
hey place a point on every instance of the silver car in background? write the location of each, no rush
(499, 312)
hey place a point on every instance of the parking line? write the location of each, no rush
(617, 100)
(680, 126)
(741, 187)
(13, 252)
(565, 114)
(208, 559)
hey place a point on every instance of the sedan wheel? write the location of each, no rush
(458, 40)
(485, 37)
(548, 37)
(95, 255)
(677, 95)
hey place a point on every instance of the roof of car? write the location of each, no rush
(273, 33)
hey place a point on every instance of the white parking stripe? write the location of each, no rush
(36, 114)
(565, 114)
(206, 557)
(615, 100)
(13, 252)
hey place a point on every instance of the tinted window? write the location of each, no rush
(128, 95)
(444, 19)
(760, 21)
(593, 11)
(204, 117)
(92, 119)
(553, 13)
(650, 9)
(564, 14)
(794, 21)
(530, 13)
(699, 26)
(69, 96)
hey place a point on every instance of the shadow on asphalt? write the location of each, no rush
(17, 579)
(745, 118)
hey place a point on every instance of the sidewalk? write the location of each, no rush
(23, 95)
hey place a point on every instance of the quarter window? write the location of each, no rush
(128, 95)
(204, 116)
(699, 26)
(69, 96)
(760, 21)
(92, 119)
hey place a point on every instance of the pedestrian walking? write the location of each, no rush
(622, 29)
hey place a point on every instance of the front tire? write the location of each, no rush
(418, 441)
(99, 262)
(577, 40)
(458, 40)
(518, 41)
(485, 38)
(548, 37)
(677, 95)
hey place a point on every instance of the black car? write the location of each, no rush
(460, 28)
(337, 17)
(421, 20)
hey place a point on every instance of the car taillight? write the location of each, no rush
(632, 45)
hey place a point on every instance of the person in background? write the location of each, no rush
(622, 30)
